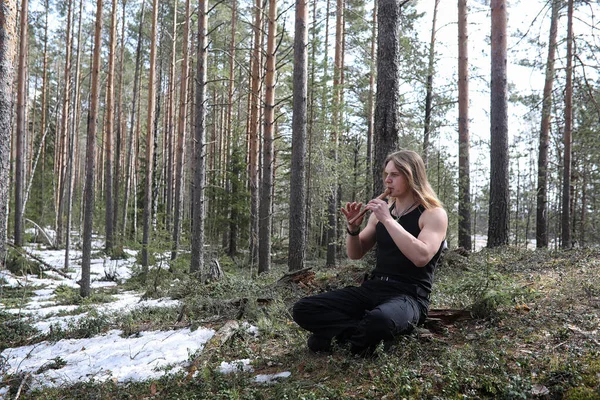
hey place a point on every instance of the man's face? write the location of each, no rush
(395, 180)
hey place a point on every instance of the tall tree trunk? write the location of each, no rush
(567, 137)
(499, 190)
(387, 126)
(584, 204)
(464, 174)
(21, 125)
(429, 86)
(131, 174)
(122, 126)
(8, 41)
(371, 116)
(90, 159)
(44, 102)
(332, 210)
(232, 188)
(150, 140)
(109, 117)
(72, 141)
(297, 248)
(170, 131)
(266, 201)
(178, 199)
(541, 227)
(199, 164)
(62, 150)
(253, 130)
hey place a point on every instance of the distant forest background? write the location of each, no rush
(179, 126)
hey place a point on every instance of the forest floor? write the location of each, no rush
(519, 324)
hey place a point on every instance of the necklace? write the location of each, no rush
(403, 213)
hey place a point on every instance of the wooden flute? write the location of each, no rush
(364, 210)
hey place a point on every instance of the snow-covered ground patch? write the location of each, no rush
(146, 355)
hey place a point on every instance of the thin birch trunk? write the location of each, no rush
(8, 42)
(21, 126)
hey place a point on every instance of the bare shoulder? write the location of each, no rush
(436, 218)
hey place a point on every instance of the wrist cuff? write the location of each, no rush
(352, 233)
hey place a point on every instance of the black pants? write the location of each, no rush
(362, 316)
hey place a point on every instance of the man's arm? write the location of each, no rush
(357, 246)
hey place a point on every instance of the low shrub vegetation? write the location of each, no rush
(532, 333)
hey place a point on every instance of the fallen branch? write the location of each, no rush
(302, 275)
(449, 315)
(24, 253)
(215, 343)
(23, 382)
(40, 229)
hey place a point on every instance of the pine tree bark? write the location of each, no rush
(178, 198)
(253, 131)
(541, 227)
(567, 136)
(464, 174)
(62, 150)
(147, 216)
(499, 188)
(297, 237)
(266, 200)
(171, 126)
(8, 41)
(371, 116)
(429, 86)
(44, 101)
(21, 126)
(231, 184)
(90, 158)
(387, 125)
(332, 209)
(72, 142)
(120, 132)
(199, 164)
(131, 158)
(109, 117)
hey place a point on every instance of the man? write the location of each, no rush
(409, 231)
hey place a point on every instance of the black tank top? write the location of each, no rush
(393, 264)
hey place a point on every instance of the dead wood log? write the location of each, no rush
(219, 339)
(449, 315)
(44, 264)
(305, 276)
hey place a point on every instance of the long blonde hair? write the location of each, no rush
(412, 166)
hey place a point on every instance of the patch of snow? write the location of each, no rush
(271, 378)
(242, 365)
(148, 355)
